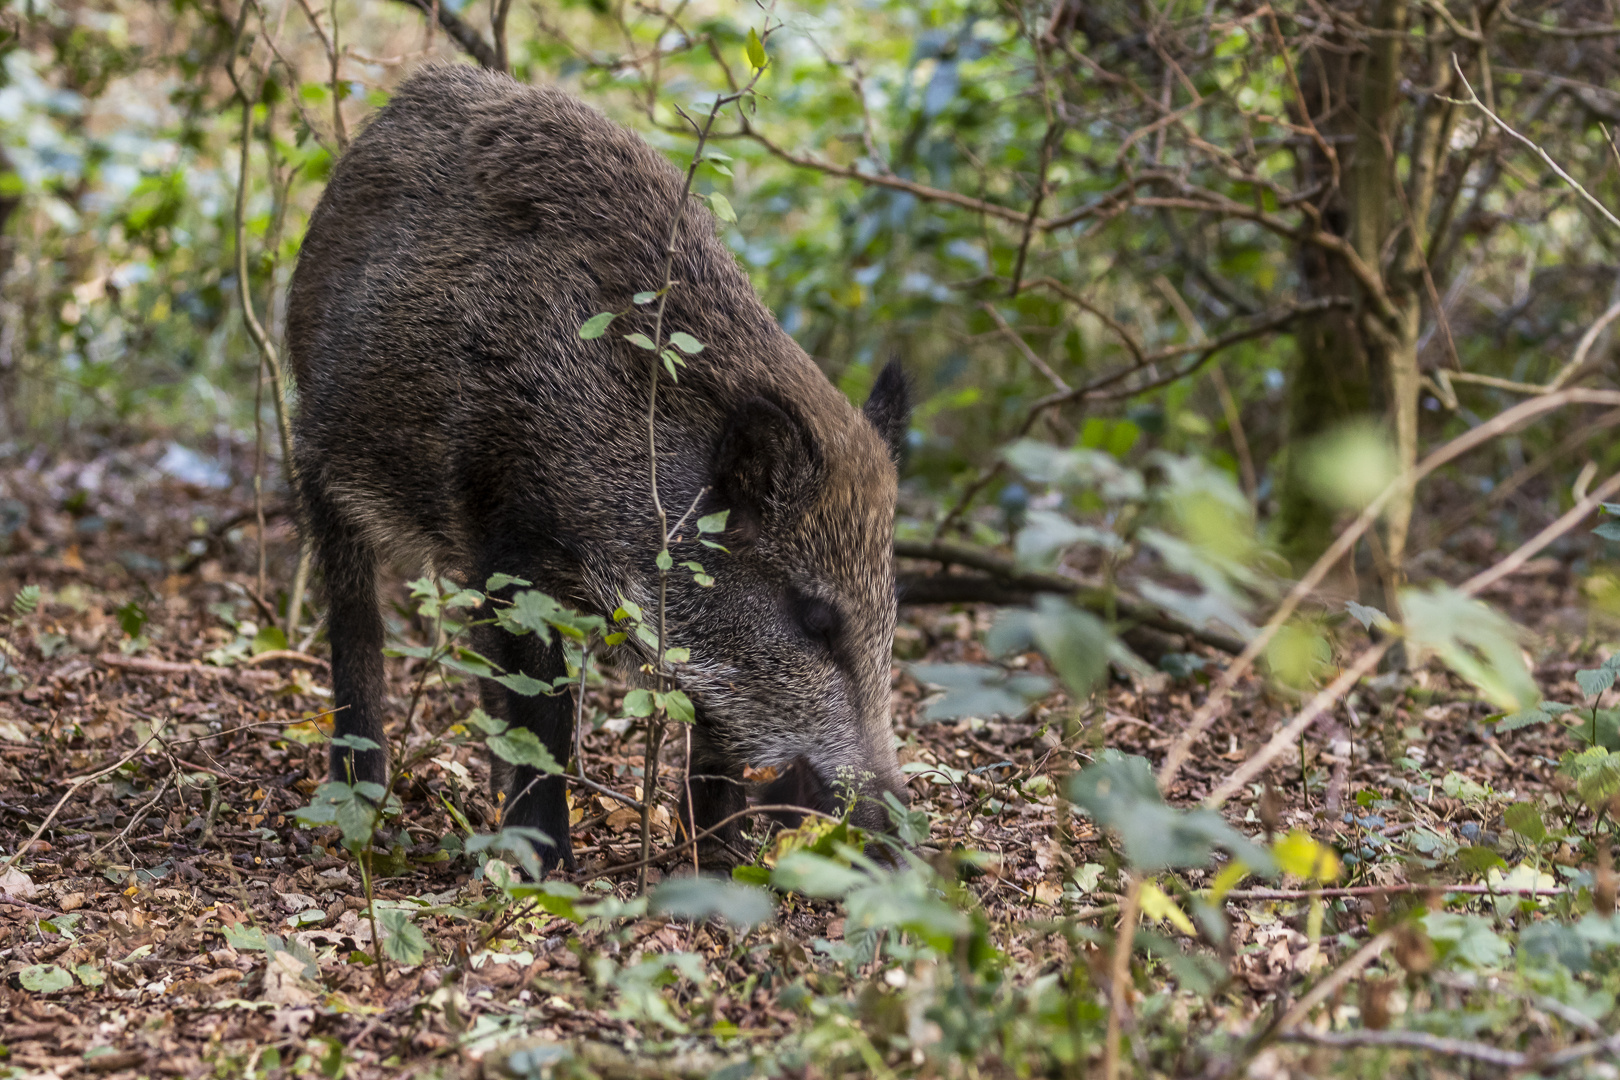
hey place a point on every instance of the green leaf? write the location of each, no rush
(353, 809)
(1474, 641)
(26, 602)
(669, 365)
(910, 825)
(531, 610)
(1076, 642)
(816, 875)
(664, 560)
(978, 690)
(1524, 819)
(1468, 938)
(555, 897)
(468, 662)
(679, 706)
(527, 685)
(1119, 792)
(520, 746)
(89, 975)
(596, 326)
(403, 941)
(1596, 772)
(245, 938)
(910, 903)
(677, 654)
(756, 49)
(498, 582)
(751, 875)
(1479, 860)
(1609, 530)
(638, 703)
(1515, 721)
(489, 725)
(743, 906)
(269, 639)
(715, 523)
(703, 580)
(1368, 617)
(132, 619)
(643, 298)
(722, 205)
(641, 341)
(1595, 681)
(1301, 854)
(685, 342)
(45, 978)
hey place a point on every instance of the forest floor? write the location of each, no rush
(127, 929)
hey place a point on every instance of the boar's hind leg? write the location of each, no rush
(354, 627)
(533, 799)
(717, 792)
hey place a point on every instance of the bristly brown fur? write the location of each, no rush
(451, 415)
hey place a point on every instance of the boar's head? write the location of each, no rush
(791, 648)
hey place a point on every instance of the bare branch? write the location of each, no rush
(1030, 354)
(1473, 99)
(468, 38)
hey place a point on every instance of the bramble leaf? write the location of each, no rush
(685, 342)
(595, 326)
(722, 205)
(520, 746)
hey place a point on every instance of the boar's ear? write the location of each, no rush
(888, 407)
(767, 465)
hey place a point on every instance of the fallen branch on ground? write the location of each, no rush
(1006, 583)
(1474, 1051)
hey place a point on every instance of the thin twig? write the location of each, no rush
(1330, 985)
(1119, 975)
(140, 815)
(1029, 354)
(655, 726)
(1506, 421)
(68, 794)
(1324, 700)
(1473, 99)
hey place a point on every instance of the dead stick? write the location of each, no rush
(1504, 422)
(1119, 975)
(66, 795)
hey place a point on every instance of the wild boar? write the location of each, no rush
(449, 414)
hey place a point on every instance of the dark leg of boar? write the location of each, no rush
(717, 792)
(536, 801)
(355, 627)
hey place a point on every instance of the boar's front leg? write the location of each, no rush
(354, 627)
(533, 799)
(717, 792)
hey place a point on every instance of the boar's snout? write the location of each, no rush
(802, 784)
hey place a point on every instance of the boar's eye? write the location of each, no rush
(819, 620)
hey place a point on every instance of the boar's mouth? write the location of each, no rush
(799, 784)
